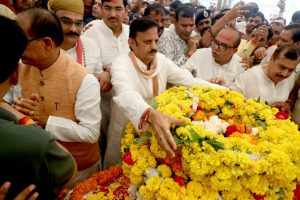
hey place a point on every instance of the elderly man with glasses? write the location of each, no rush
(220, 63)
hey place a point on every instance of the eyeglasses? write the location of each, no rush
(110, 9)
(220, 46)
(69, 22)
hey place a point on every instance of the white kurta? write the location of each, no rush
(202, 64)
(90, 56)
(110, 48)
(133, 90)
(253, 83)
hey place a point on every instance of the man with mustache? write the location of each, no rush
(81, 49)
(219, 63)
(177, 43)
(273, 82)
(203, 22)
(137, 77)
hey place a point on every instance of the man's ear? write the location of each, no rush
(14, 78)
(132, 43)
(48, 43)
(127, 9)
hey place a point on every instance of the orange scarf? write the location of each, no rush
(147, 72)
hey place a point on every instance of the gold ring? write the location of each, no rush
(31, 113)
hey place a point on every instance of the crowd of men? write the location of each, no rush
(74, 72)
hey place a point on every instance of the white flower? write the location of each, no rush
(254, 131)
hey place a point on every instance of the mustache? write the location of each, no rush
(153, 51)
(112, 18)
(203, 30)
(72, 33)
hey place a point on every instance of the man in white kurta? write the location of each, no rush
(111, 36)
(219, 61)
(273, 82)
(133, 88)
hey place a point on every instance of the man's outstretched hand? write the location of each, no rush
(161, 124)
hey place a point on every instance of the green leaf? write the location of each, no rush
(262, 124)
(215, 144)
(153, 103)
(177, 139)
(282, 192)
(142, 139)
(258, 100)
(126, 149)
(195, 135)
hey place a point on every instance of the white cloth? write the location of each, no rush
(90, 55)
(253, 83)
(133, 90)
(110, 46)
(241, 26)
(87, 112)
(269, 54)
(173, 47)
(202, 64)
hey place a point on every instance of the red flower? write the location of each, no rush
(180, 181)
(297, 193)
(282, 115)
(230, 129)
(258, 197)
(127, 158)
(199, 108)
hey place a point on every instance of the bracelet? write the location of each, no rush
(144, 118)
(26, 121)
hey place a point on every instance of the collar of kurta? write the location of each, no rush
(142, 68)
(106, 29)
(151, 73)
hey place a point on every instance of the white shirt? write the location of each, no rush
(90, 55)
(110, 46)
(202, 64)
(87, 112)
(133, 89)
(253, 83)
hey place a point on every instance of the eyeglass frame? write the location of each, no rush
(77, 23)
(215, 43)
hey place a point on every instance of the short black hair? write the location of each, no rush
(296, 16)
(175, 4)
(185, 11)
(296, 31)
(125, 2)
(290, 52)
(154, 7)
(13, 43)
(44, 24)
(141, 25)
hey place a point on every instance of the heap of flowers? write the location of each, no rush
(104, 185)
(228, 149)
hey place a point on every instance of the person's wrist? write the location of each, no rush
(145, 118)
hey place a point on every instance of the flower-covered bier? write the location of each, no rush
(228, 149)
